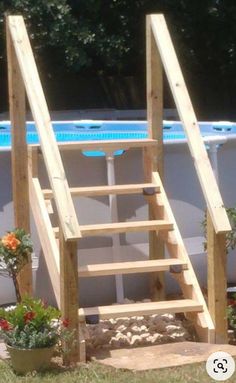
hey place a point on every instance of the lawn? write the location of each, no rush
(94, 373)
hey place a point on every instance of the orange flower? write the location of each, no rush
(10, 241)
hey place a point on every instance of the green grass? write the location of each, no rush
(94, 373)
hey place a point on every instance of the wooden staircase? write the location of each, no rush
(59, 244)
(163, 225)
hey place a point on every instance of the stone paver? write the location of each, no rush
(160, 356)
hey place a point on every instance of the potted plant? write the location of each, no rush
(15, 250)
(32, 331)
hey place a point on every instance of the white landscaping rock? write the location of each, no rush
(136, 331)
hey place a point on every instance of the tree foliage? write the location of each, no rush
(108, 36)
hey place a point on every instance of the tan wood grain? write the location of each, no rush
(104, 145)
(187, 279)
(19, 160)
(129, 267)
(185, 109)
(153, 157)
(41, 116)
(149, 308)
(217, 281)
(90, 191)
(69, 295)
(46, 235)
(122, 227)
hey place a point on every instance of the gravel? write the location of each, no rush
(137, 331)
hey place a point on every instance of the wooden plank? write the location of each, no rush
(46, 235)
(82, 342)
(217, 281)
(48, 204)
(154, 98)
(33, 154)
(33, 172)
(185, 109)
(90, 191)
(41, 116)
(129, 267)
(106, 144)
(187, 279)
(19, 160)
(69, 295)
(153, 157)
(122, 227)
(149, 308)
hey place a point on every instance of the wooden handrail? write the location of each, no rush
(185, 109)
(52, 158)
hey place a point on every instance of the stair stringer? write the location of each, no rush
(46, 235)
(186, 278)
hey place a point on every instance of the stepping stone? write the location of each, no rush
(160, 356)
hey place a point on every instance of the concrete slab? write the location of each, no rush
(160, 356)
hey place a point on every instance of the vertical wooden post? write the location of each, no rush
(69, 294)
(19, 157)
(217, 281)
(153, 159)
(33, 161)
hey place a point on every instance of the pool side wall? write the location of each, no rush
(185, 196)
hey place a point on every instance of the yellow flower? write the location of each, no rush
(10, 241)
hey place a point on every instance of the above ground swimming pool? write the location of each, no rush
(86, 130)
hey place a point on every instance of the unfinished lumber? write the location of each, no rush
(41, 116)
(130, 267)
(46, 235)
(217, 281)
(122, 227)
(153, 157)
(94, 191)
(187, 279)
(69, 297)
(19, 160)
(185, 109)
(147, 308)
(105, 145)
(33, 157)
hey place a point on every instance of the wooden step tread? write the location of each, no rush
(145, 188)
(149, 308)
(106, 144)
(129, 267)
(122, 227)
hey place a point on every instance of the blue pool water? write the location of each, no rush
(86, 130)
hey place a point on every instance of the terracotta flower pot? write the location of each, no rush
(27, 360)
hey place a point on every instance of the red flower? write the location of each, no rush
(29, 316)
(231, 302)
(5, 325)
(65, 322)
